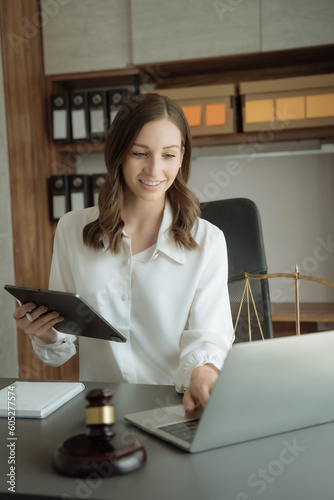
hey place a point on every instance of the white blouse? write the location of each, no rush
(171, 304)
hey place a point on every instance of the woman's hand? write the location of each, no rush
(33, 321)
(202, 381)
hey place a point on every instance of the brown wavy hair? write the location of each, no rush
(130, 119)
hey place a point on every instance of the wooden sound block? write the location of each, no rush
(100, 452)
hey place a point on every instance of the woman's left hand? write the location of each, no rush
(202, 381)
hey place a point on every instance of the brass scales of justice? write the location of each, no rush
(248, 291)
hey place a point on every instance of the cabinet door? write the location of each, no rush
(291, 24)
(182, 29)
(85, 35)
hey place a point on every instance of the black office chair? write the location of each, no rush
(239, 219)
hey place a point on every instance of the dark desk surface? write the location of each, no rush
(294, 466)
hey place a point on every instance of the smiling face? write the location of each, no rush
(153, 161)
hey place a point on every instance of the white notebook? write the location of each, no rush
(36, 399)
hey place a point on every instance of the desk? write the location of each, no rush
(264, 469)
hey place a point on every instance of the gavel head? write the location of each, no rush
(100, 415)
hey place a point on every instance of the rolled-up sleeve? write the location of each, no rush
(55, 354)
(208, 335)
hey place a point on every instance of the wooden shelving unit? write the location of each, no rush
(64, 156)
(227, 69)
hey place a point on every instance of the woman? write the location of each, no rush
(145, 261)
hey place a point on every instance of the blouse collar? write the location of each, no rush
(166, 243)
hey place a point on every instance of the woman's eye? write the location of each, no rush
(168, 155)
(139, 155)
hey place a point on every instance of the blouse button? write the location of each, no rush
(124, 297)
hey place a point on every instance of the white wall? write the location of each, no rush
(88, 35)
(294, 194)
(8, 334)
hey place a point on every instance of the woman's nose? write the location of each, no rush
(153, 166)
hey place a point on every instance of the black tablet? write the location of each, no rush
(79, 317)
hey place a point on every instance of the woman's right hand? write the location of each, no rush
(36, 321)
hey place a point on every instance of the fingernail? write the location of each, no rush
(43, 309)
(31, 306)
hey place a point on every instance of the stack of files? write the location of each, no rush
(36, 399)
(85, 116)
(73, 192)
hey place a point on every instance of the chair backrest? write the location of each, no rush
(240, 221)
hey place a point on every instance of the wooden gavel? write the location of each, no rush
(100, 451)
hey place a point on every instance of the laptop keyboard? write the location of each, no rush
(183, 430)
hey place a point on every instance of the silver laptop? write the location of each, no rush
(264, 388)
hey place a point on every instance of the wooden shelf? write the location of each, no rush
(245, 138)
(265, 136)
(312, 312)
(112, 73)
(93, 80)
(247, 67)
(80, 147)
(224, 69)
(242, 67)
